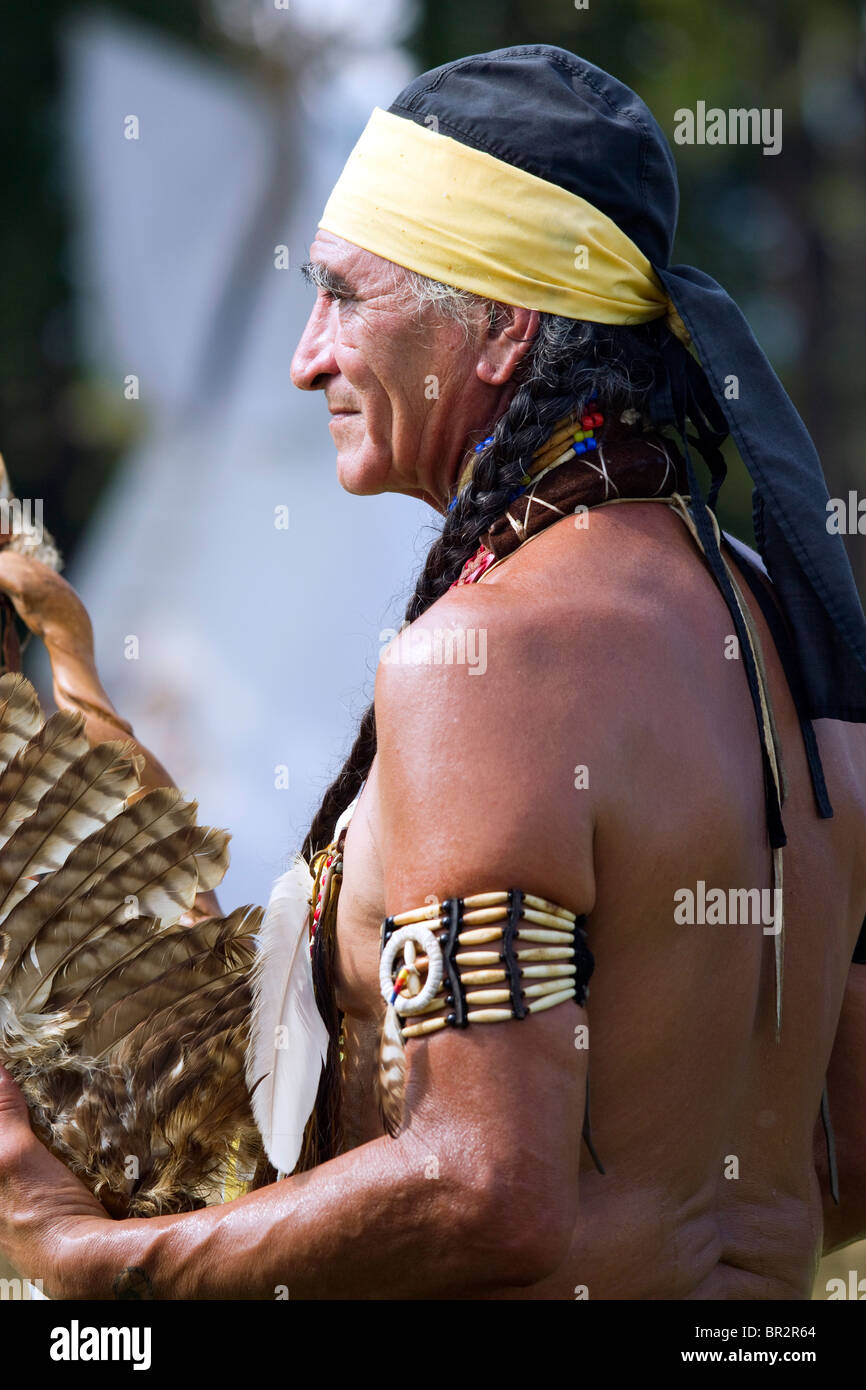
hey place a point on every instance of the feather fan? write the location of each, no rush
(125, 1027)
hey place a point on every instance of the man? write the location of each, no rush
(619, 757)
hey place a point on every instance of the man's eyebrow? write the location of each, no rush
(321, 275)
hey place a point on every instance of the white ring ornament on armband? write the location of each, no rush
(416, 935)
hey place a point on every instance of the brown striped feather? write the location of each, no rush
(162, 878)
(37, 766)
(85, 796)
(150, 819)
(20, 714)
(211, 947)
(189, 981)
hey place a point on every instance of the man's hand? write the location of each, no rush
(42, 1205)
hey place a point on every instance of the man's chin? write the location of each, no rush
(356, 476)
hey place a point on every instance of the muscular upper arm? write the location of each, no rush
(473, 777)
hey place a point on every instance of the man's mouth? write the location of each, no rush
(338, 417)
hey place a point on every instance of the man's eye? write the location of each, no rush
(334, 296)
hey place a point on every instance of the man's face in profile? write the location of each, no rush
(404, 388)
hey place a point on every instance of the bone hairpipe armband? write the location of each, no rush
(482, 959)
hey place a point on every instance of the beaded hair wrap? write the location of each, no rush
(487, 958)
(572, 436)
(609, 459)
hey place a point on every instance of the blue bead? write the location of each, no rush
(592, 444)
(483, 444)
(580, 447)
(452, 504)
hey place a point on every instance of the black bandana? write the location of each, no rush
(557, 116)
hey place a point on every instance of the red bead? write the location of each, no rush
(597, 420)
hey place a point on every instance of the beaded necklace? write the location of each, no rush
(626, 461)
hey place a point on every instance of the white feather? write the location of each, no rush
(288, 1040)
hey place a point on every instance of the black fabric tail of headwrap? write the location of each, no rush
(808, 565)
(684, 394)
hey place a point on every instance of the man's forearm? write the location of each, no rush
(374, 1223)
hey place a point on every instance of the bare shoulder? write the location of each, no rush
(475, 769)
(484, 664)
(567, 636)
(467, 677)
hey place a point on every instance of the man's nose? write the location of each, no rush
(313, 361)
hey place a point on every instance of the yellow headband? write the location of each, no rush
(458, 215)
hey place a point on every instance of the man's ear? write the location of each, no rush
(510, 336)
